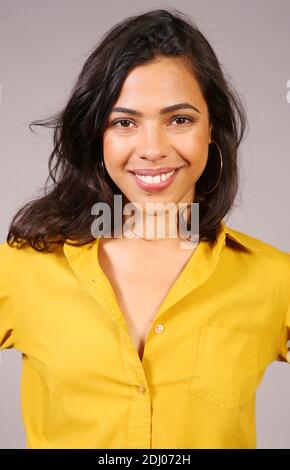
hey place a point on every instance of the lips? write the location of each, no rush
(155, 187)
(153, 172)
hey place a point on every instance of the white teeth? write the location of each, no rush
(155, 179)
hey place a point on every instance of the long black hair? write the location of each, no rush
(78, 178)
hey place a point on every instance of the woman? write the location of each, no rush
(132, 341)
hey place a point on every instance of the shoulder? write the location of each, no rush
(265, 254)
(257, 244)
(25, 256)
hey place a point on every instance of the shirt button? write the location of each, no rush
(159, 329)
(141, 388)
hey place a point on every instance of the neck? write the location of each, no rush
(160, 228)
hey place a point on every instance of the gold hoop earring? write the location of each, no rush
(221, 167)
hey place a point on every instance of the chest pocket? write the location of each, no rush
(226, 371)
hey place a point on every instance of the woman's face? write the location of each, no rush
(144, 137)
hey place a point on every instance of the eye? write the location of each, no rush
(114, 123)
(186, 118)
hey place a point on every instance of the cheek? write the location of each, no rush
(195, 152)
(115, 152)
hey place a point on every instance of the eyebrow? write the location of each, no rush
(168, 109)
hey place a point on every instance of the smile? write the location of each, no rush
(155, 183)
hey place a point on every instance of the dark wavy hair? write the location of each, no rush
(64, 210)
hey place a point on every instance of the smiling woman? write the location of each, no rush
(125, 343)
(151, 95)
(158, 140)
(165, 152)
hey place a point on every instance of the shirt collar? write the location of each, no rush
(226, 234)
(84, 262)
(240, 238)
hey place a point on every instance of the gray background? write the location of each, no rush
(42, 48)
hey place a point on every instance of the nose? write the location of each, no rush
(152, 143)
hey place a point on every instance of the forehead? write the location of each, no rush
(159, 84)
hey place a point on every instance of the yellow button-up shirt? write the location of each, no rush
(223, 321)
